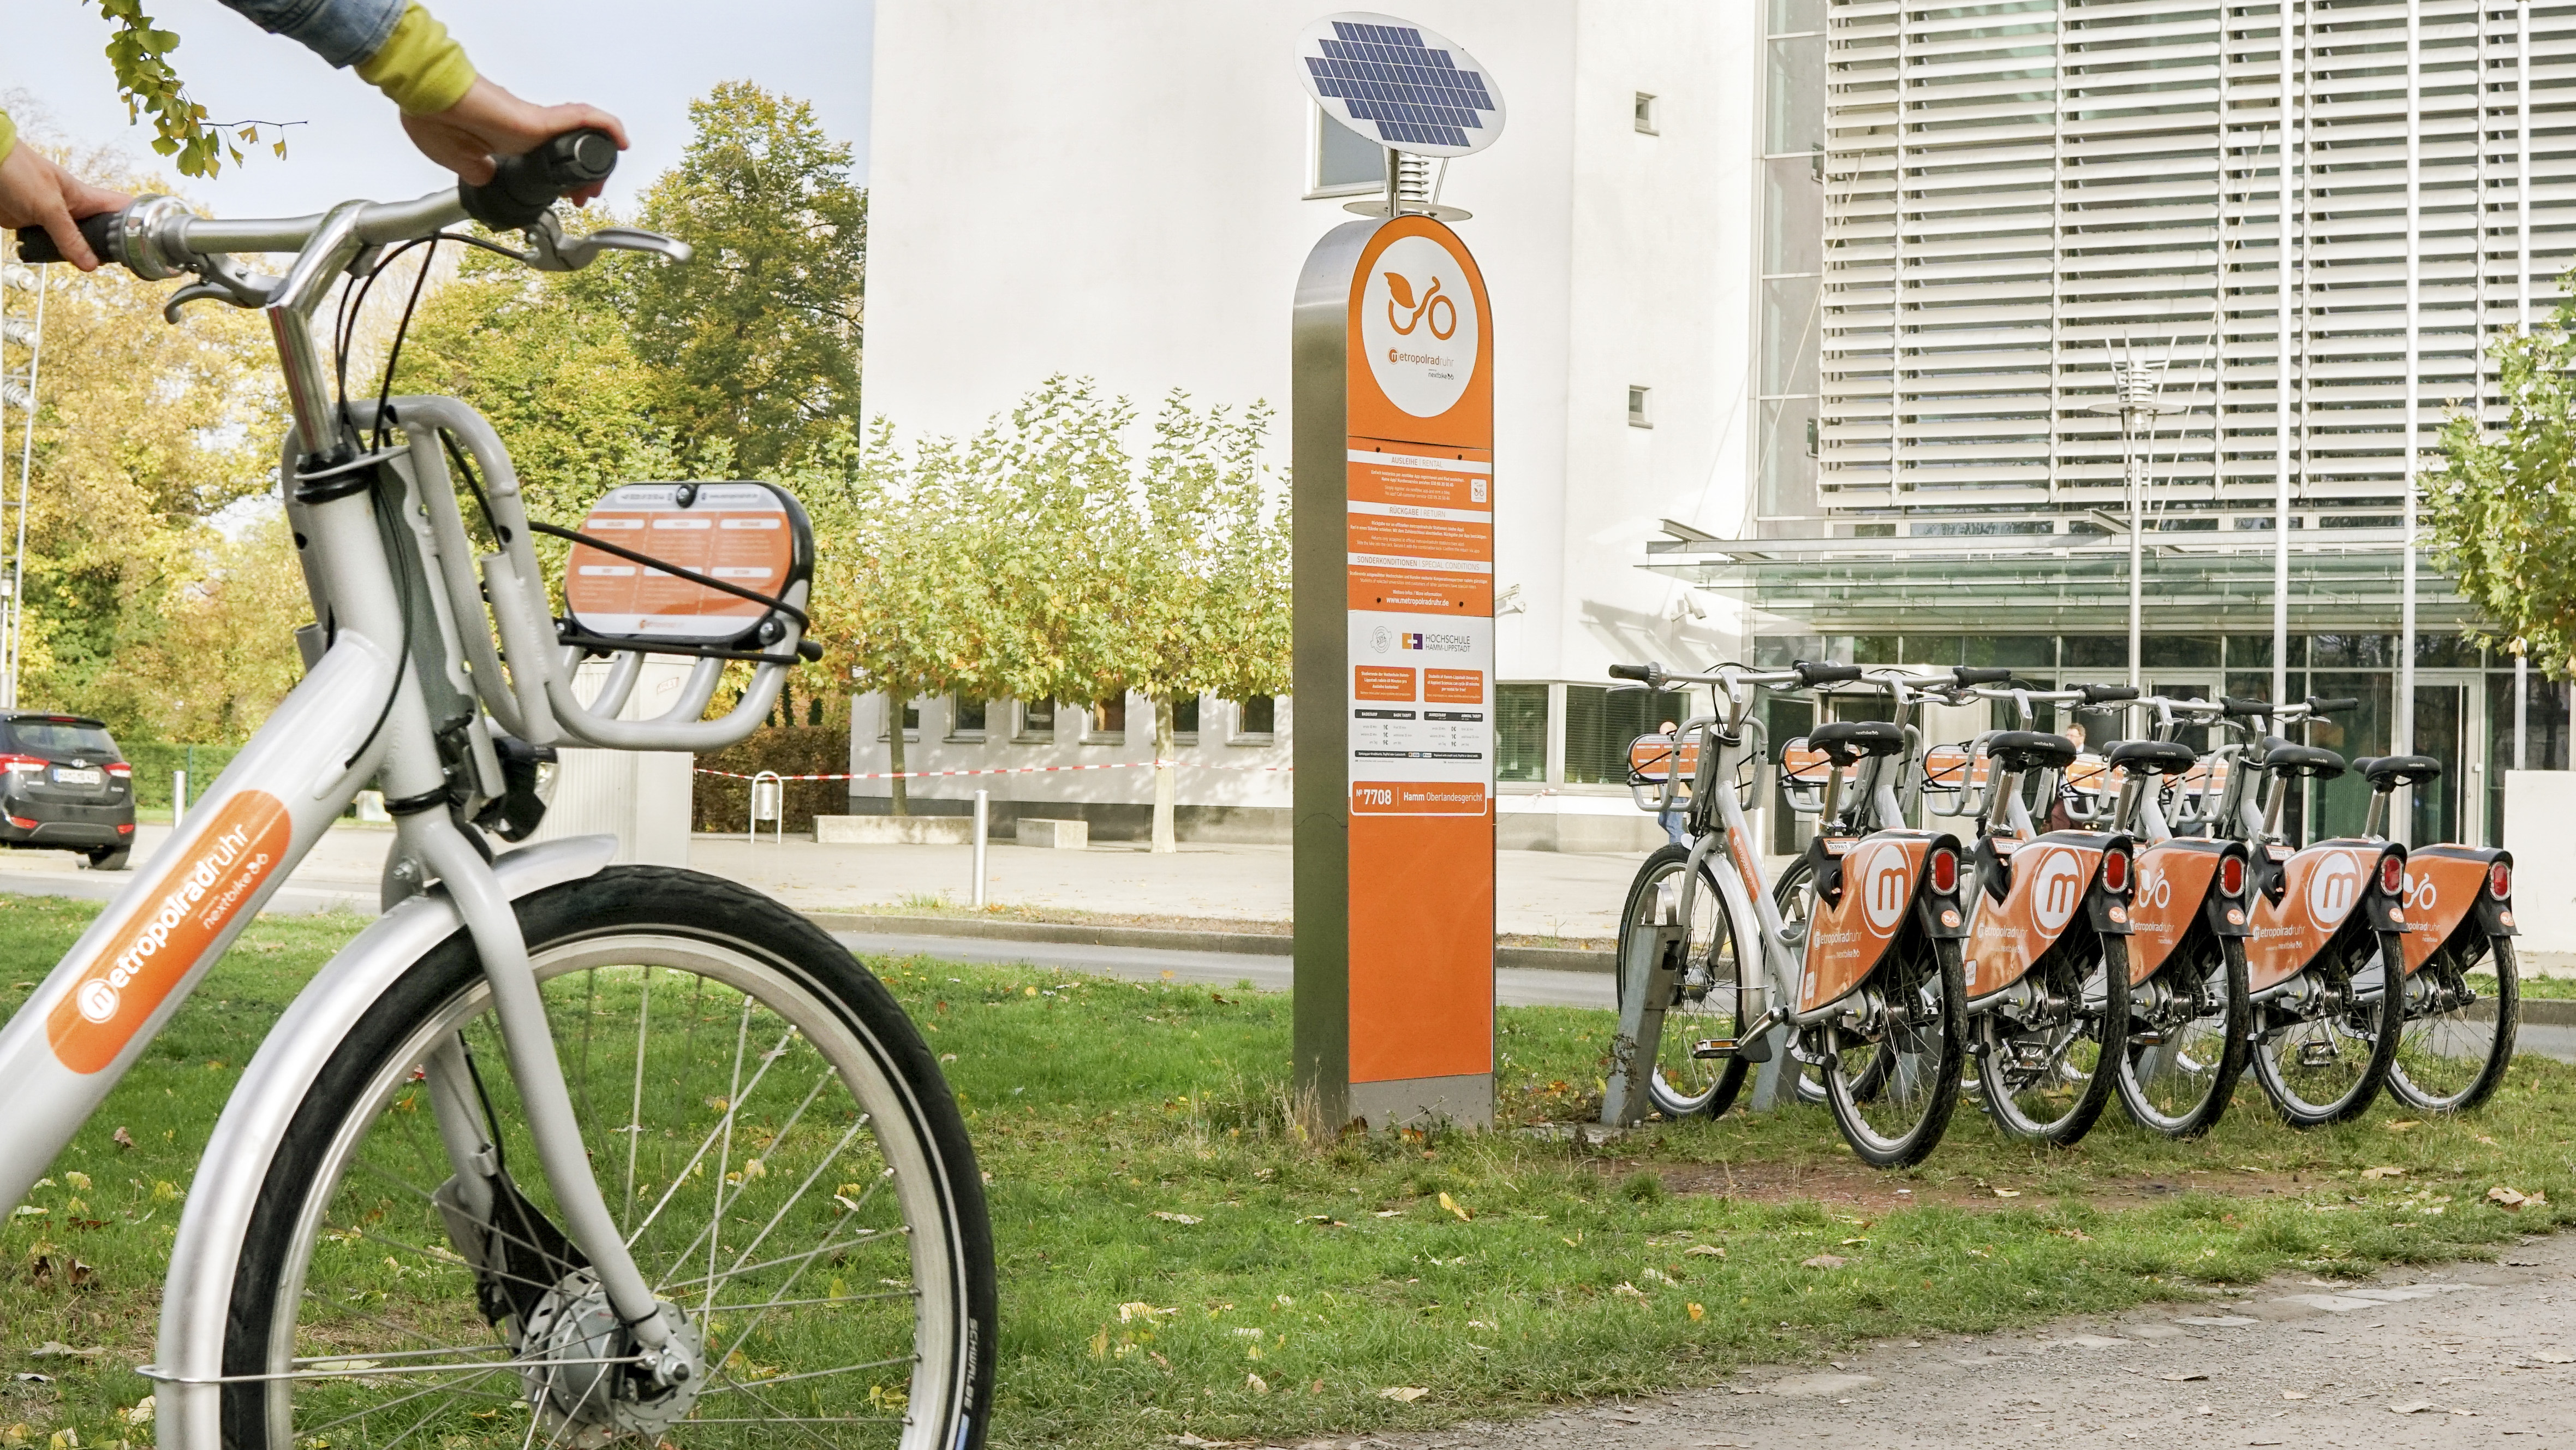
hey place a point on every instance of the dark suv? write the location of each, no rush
(64, 786)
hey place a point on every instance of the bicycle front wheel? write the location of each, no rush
(1705, 1000)
(782, 1154)
(2048, 1075)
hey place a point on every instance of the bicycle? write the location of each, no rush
(755, 1212)
(1872, 991)
(2329, 925)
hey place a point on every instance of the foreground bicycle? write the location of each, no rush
(1872, 988)
(554, 1152)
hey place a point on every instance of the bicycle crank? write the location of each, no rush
(587, 1380)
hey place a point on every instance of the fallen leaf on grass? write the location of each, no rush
(1696, 1313)
(2007, 1192)
(124, 1139)
(2392, 1171)
(1706, 1251)
(2510, 1198)
(1464, 1213)
(2194, 1375)
(1130, 1312)
(1660, 1277)
(140, 1414)
(1188, 1441)
(1388, 1213)
(1403, 1394)
(2490, 1142)
(2402, 1124)
(1629, 1291)
(1169, 1217)
(56, 1349)
(1824, 1261)
(1256, 1384)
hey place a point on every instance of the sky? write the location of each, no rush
(643, 60)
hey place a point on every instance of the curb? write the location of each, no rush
(1149, 938)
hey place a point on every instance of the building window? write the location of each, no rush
(965, 718)
(1639, 400)
(1037, 720)
(911, 721)
(1601, 723)
(1108, 722)
(1255, 719)
(1520, 732)
(1185, 720)
(1646, 114)
(1346, 162)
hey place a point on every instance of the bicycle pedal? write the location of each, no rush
(1719, 1047)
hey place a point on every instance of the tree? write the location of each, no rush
(1202, 550)
(757, 340)
(2501, 511)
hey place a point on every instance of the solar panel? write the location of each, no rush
(1401, 85)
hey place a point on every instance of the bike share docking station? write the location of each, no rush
(1393, 426)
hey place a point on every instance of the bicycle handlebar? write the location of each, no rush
(1652, 674)
(1981, 675)
(1823, 672)
(36, 245)
(2334, 706)
(2232, 706)
(524, 188)
(2105, 694)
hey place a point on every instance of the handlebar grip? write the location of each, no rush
(2231, 705)
(2335, 706)
(1646, 672)
(522, 188)
(2106, 694)
(1824, 672)
(101, 232)
(1981, 674)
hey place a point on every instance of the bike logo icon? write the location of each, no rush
(1427, 311)
(1887, 883)
(2333, 888)
(2059, 889)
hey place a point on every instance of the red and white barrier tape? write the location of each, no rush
(998, 770)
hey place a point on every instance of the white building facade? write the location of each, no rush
(1126, 189)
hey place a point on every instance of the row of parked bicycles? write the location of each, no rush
(2164, 944)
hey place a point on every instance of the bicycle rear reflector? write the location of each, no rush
(2115, 872)
(687, 568)
(2392, 875)
(2231, 876)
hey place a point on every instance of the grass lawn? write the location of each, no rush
(1175, 1259)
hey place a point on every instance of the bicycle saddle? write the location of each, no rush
(2019, 750)
(2152, 757)
(2284, 759)
(2386, 772)
(1844, 741)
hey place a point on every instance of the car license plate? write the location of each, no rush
(65, 775)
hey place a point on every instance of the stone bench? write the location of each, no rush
(1055, 835)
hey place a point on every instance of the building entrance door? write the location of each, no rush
(2448, 728)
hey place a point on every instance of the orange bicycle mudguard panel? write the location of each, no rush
(2321, 888)
(2050, 877)
(197, 898)
(2174, 879)
(1848, 936)
(2442, 885)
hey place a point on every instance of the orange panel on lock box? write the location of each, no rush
(1382, 682)
(1453, 687)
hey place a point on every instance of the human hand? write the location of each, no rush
(490, 122)
(34, 192)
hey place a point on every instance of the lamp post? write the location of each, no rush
(17, 390)
(2137, 397)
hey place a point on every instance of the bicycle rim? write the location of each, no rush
(2177, 1076)
(1705, 1000)
(2456, 1049)
(1794, 895)
(2326, 1069)
(764, 1158)
(1893, 1081)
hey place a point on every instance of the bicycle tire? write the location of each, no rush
(2209, 1080)
(1793, 895)
(1926, 1087)
(2455, 1024)
(912, 1225)
(2019, 1113)
(2387, 1022)
(1712, 1092)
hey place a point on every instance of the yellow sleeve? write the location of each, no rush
(420, 67)
(8, 136)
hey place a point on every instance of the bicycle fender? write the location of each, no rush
(198, 1294)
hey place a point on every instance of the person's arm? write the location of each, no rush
(34, 192)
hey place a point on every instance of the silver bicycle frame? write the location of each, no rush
(396, 632)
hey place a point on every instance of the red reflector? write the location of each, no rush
(22, 825)
(1945, 872)
(125, 830)
(2115, 871)
(2231, 876)
(2500, 881)
(2392, 875)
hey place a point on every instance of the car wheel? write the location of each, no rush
(111, 858)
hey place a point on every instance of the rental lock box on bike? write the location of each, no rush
(580, 1233)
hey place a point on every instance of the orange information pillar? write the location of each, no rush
(1394, 448)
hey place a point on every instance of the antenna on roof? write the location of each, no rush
(1412, 90)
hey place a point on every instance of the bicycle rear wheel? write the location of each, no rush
(2048, 1078)
(1892, 1079)
(2187, 1047)
(2326, 1068)
(1705, 1000)
(2453, 1056)
(779, 1147)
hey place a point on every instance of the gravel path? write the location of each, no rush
(2471, 1354)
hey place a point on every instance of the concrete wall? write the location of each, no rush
(1119, 189)
(2539, 807)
